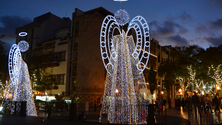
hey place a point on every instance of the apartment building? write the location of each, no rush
(87, 71)
(57, 62)
(49, 38)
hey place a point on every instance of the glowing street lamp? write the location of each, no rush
(1, 108)
(117, 91)
(218, 87)
(180, 90)
(162, 92)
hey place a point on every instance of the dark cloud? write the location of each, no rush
(217, 3)
(185, 17)
(201, 28)
(214, 41)
(168, 28)
(216, 24)
(10, 23)
(178, 40)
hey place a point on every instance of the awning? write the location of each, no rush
(66, 98)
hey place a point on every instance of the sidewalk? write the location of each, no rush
(206, 119)
(27, 120)
(171, 117)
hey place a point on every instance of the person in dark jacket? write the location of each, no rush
(217, 103)
(196, 104)
(82, 117)
(183, 104)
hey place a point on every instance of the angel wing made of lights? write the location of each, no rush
(142, 47)
(13, 62)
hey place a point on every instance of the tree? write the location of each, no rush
(38, 74)
(185, 58)
(3, 66)
(168, 70)
(152, 81)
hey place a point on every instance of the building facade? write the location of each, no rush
(57, 63)
(88, 73)
(49, 41)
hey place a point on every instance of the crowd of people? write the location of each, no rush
(201, 104)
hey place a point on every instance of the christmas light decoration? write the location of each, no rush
(126, 96)
(182, 84)
(23, 46)
(1, 89)
(122, 17)
(192, 80)
(23, 34)
(216, 74)
(198, 84)
(20, 85)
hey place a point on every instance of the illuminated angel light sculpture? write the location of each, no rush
(125, 96)
(20, 84)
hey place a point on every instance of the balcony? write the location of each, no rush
(49, 64)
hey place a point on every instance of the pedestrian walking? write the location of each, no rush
(217, 103)
(203, 99)
(160, 107)
(196, 104)
(164, 103)
(184, 104)
(208, 103)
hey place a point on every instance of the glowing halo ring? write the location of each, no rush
(110, 24)
(13, 61)
(136, 23)
(23, 34)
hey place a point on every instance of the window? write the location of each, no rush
(77, 28)
(61, 80)
(54, 79)
(74, 84)
(63, 55)
(50, 58)
(159, 58)
(75, 55)
(74, 68)
(76, 40)
(48, 79)
(56, 57)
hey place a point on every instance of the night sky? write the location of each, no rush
(171, 22)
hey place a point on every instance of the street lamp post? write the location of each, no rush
(180, 93)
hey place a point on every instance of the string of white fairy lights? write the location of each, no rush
(20, 85)
(125, 95)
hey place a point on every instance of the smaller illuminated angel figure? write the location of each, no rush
(19, 88)
(125, 55)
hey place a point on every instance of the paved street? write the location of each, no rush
(171, 117)
(206, 119)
